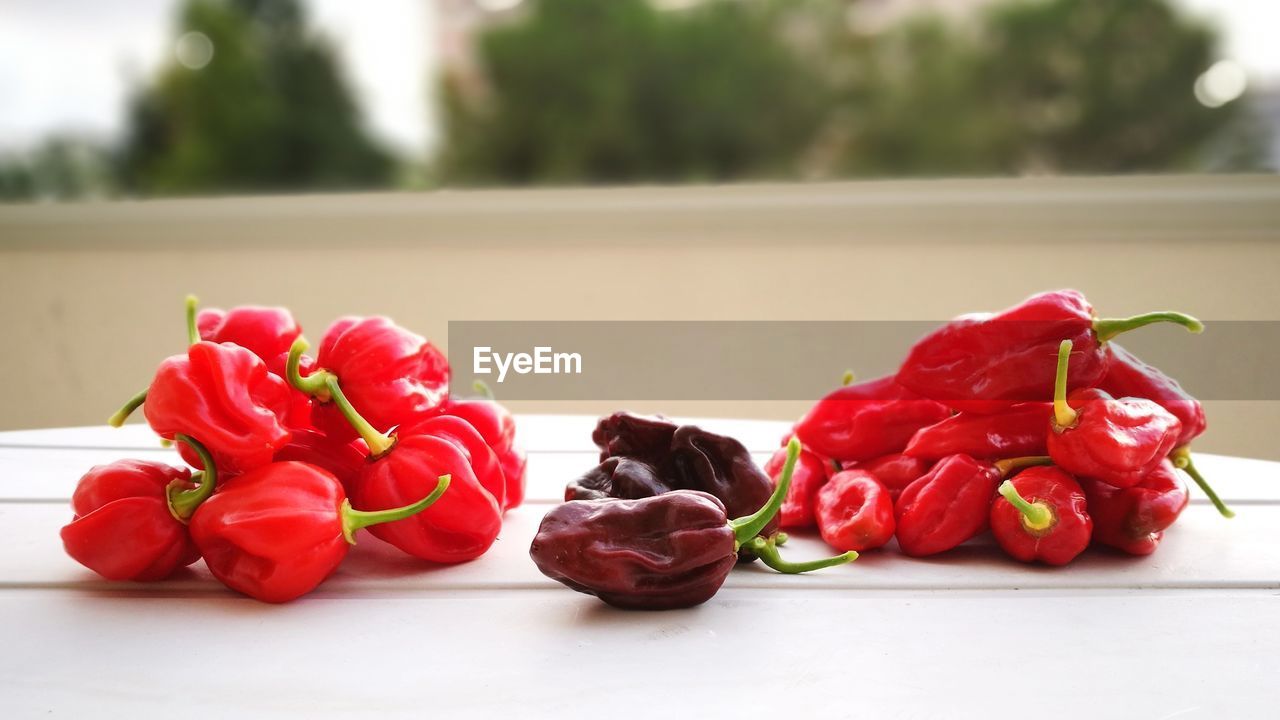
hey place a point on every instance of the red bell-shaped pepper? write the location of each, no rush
(854, 511)
(809, 476)
(345, 460)
(130, 519)
(392, 376)
(1017, 432)
(1127, 376)
(483, 460)
(895, 471)
(498, 428)
(1134, 519)
(278, 531)
(866, 420)
(267, 332)
(1115, 441)
(986, 362)
(1043, 515)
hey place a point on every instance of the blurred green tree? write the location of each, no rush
(269, 111)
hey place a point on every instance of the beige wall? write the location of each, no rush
(91, 294)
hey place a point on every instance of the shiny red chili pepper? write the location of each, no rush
(1043, 515)
(896, 471)
(950, 504)
(222, 395)
(985, 362)
(344, 460)
(392, 376)
(1115, 441)
(403, 466)
(267, 332)
(1017, 432)
(1127, 376)
(809, 476)
(866, 420)
(278, 531)
(483, 460)
(498, 428)
(130, 519)
(854, 511)
(1134, 519)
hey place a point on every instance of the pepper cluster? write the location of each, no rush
(1032, 422)
(665, 516)
(294, 454)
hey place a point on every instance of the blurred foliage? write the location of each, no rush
(61, 167)
(270, 111)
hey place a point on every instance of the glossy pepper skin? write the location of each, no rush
(343, 460)
(1043, 516)
(483, 460)
(391, 375)
(986, 362)
(1115, 441)
(854, 511)
(1017, 432)
(946, 507)
(809, 477)
(498, 428)
(1127, 376)
(124, 528)
(1134, 519)
(267, 332)
(222, 395)
(280, 530)
(895, 472)
(865, 420)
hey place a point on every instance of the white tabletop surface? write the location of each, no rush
(1190, 632)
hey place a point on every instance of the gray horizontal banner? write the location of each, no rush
(784, 360)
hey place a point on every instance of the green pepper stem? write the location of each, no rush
(1181, 458)
(482, 387)
(316, 384)
(1108, 328)
(749, 526)
(767, 550)
(1063, 416)
(183, 501)
(127, 409)
(193, 331)
(847, 378)
(379, 443)
(353, 520)
(1009, 466)
(1036, 516)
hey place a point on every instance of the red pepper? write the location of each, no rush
(1116, 441)
(498, 428)
(1134, 519)
(1043, 516)
(896, 471)
(404, 465)
(985, 362)
(391, 375)
(854, 511)
(810, 475)
(278, 531)
(344, 460)
(267, 332)
(1019, 431)
(481, 457)
(1127, 376)
(222, 395)
(950, 504)
(130, 519)
(866, 420)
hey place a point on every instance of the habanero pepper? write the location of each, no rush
(130, 518)
(391, 375)
(483, 460)
(854, 511)
(666, 551)
(404, 466)
(1042, 515)
(951, 503)
(895, 471)
(1115, 441)
(809, 477)
(1134, 519)
(986, 362)
(280, 530)
(343, 459)
(267, 332)
(865, 420)
(1017, 432)
(498, 428)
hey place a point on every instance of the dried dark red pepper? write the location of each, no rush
(865, 420)
(854, 511)
(1016, 432)
(1043, 515)
(986, 362)
(1134, 519)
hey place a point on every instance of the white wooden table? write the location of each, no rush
(1192, 631)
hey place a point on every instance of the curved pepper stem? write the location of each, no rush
(193, 330)
(316, 384)
(1009, 466)
(747, 527)
(1181, 458)
(127, 409)
(1107, 328)
(1063, 416)
(483, 389)
(353, 520)
(183, 501)
(847, 378)
(767, 550)
(379, 443)
(1036, 516)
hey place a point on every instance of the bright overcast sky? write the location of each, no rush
(67, 65)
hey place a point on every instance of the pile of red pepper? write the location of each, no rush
(1032, 422)
(294, 454)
